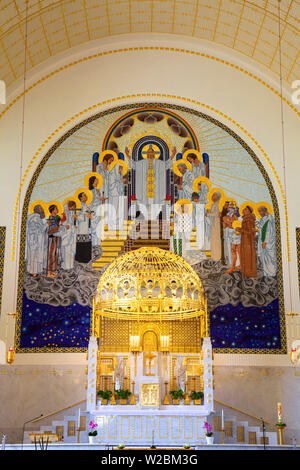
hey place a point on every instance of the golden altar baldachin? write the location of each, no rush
(150, 302)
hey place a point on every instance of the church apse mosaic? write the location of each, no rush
(159, 175)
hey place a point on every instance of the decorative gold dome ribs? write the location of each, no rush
(149, 284)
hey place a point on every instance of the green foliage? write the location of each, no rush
(105, 394)
(177, 394)
(197, 395)
(123, 394)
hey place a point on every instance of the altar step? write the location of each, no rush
(236, 432)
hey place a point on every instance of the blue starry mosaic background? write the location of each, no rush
(230, 327)
(246, 327)
(46, 326)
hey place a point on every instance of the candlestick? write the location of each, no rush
(222, 419)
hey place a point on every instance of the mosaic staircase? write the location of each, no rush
(112, 245)
(116, 242)
(236, 432)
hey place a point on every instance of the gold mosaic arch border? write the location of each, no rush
(2, 253)
(298, 253)
(136, 106)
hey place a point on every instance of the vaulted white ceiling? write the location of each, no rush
(249, 27)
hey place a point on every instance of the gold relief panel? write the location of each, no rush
(150, 395)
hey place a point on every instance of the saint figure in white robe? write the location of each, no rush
(266, 247)
(185, 188)
(68, 239)
(36, 242)
(84, 237)
(116, 199)
(215, 228)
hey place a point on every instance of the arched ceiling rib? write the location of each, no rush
(249, 27)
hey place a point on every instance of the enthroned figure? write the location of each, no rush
(150, 179)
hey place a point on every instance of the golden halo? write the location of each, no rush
(264, 204)
(155, 148)
(231, 200)
(98, 176)
(247, 203)
(221, 200)
(196, 152)
(122, 163)
(183, 202)
(201, 179)
(181, 162)
(73, 199)
(108, 152)
(88, 193)
(236, 224)
(39, 203)
(58, 205)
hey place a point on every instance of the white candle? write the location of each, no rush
(222, 419)
(78, 427)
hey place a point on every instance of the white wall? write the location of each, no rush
(79, 90)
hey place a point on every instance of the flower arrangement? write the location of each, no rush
(93, 428)
(208, 429)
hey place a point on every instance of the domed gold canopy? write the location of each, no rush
(149, 284)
